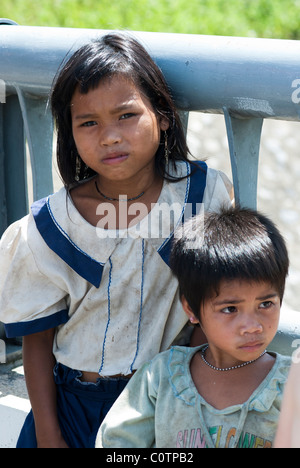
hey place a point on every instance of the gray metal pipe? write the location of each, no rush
(249, 77)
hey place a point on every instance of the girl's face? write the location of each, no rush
(240, 322)
(116, 131)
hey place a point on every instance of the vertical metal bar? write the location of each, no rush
(39, 133)
(244, 143)
(3, 210)
(15, 161)
(184, 117)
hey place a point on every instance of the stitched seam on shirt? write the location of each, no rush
(141, 306)
(108, 320)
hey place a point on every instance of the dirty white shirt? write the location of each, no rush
(111, 295)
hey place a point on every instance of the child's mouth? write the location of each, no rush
(115, 158)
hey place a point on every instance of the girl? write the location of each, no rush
(85, 277)
(231, 269)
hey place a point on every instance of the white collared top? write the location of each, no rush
(111, 295)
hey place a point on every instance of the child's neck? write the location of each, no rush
(87, 199)
(146, 187)
(228, 388)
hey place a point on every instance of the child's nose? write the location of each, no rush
(251, 326)
(110, 136)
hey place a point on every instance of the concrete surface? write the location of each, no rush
(14, 403)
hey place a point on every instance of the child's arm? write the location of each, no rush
(38, 365)
(130, 422)
(288, 433)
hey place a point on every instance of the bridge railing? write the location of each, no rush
(245, 79)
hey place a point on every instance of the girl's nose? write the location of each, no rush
(110, 136)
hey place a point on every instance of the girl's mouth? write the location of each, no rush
(115, 158)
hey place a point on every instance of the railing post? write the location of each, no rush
(15, 169)
(3, 210)
(38, 121)
(244, 143)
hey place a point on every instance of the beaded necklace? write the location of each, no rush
(227, 368)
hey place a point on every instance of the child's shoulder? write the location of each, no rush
(282, 364)
(172, 359)
(23, 233)
(217, 187)
(269, 394)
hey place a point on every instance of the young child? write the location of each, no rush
(231, 269)
(85, 277)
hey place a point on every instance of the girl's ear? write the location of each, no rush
(187, 309)
(164, 124)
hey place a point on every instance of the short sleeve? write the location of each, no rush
(218, 191)
(29, 301)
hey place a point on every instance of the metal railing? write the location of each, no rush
(245, 79)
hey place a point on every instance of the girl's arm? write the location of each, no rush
(38, 362)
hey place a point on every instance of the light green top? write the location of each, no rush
(161, 407)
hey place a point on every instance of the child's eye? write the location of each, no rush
(91, 123)
(266, 305)
(229, 310)
(127, 116)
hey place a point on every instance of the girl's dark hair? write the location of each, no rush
(233, 244)
(113, 54)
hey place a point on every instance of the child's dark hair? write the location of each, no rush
(113, 54)
(232, 244)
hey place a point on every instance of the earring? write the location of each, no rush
(167, 152)
(193, 320)
(78, 169)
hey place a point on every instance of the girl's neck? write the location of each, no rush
(143, 189)
(87, 200)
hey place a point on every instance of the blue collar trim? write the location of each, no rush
(59, 241)
(194, 195)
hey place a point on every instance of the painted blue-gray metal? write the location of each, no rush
(246, 79)
(250, 77)
(15, 180)
(244, 143)
(240, 77)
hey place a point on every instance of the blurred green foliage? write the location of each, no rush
(258, 18)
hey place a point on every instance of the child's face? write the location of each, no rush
(241, 321)
(116, 131)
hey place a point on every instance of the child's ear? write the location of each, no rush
(164, 124)
(187, 309)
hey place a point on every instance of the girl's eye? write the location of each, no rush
(89, 124)
(127, 116)
(229, 310)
